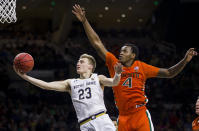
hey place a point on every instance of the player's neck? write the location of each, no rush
(128, 63)
(85, 75)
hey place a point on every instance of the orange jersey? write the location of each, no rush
(131, 89)
(195, 124)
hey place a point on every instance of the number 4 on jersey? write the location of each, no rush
(128, 82)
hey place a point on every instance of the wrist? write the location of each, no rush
(84, 21)
(117, 74)
(185, 60)
(24, 76)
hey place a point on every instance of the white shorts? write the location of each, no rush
(101, 123)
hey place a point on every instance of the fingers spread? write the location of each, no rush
(74, 12)
(75, 8)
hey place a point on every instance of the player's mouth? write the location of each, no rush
(78, 67)
(120, 57)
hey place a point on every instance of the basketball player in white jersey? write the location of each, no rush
(86, 93)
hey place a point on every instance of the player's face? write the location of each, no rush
(83, 66)
(126, 54)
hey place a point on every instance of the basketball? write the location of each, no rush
(24, 62)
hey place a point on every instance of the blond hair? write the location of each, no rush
(91, 60)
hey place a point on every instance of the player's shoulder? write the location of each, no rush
(109, 53)
(138, 63)
(67, 81)
(141, 63)
(195, 124)
(111, 56)
(100, 76)
(72, 80)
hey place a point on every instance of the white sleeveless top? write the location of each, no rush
(87, 96)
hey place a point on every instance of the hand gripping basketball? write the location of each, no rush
(23, 62)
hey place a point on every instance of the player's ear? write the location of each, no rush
(90, 67)
(133, 55)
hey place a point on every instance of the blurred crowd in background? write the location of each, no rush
(24, 107)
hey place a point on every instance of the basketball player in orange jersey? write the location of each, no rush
(195, 123)
(130, 93)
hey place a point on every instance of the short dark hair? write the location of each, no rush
(134, 49)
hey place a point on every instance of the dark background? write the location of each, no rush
(162, 29)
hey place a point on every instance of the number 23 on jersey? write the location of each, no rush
(85, 93)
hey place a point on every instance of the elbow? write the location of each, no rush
(170, 74)
(44, 87)
(96, 38)
(97, 42)
(167, 73)
(47, 86)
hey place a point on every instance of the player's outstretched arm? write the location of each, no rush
(91, 34)
(62, 86)
(112, 81)
(174, 70)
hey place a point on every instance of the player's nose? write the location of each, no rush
(121, 53)
(78, 63)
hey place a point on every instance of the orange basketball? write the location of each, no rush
(24, 62)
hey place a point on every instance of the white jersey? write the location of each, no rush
(87, 97)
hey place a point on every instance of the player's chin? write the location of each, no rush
(121, 61)
(78, 72)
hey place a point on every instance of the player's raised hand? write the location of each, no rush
(118, 68)
(190, 53)
(79, 13)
